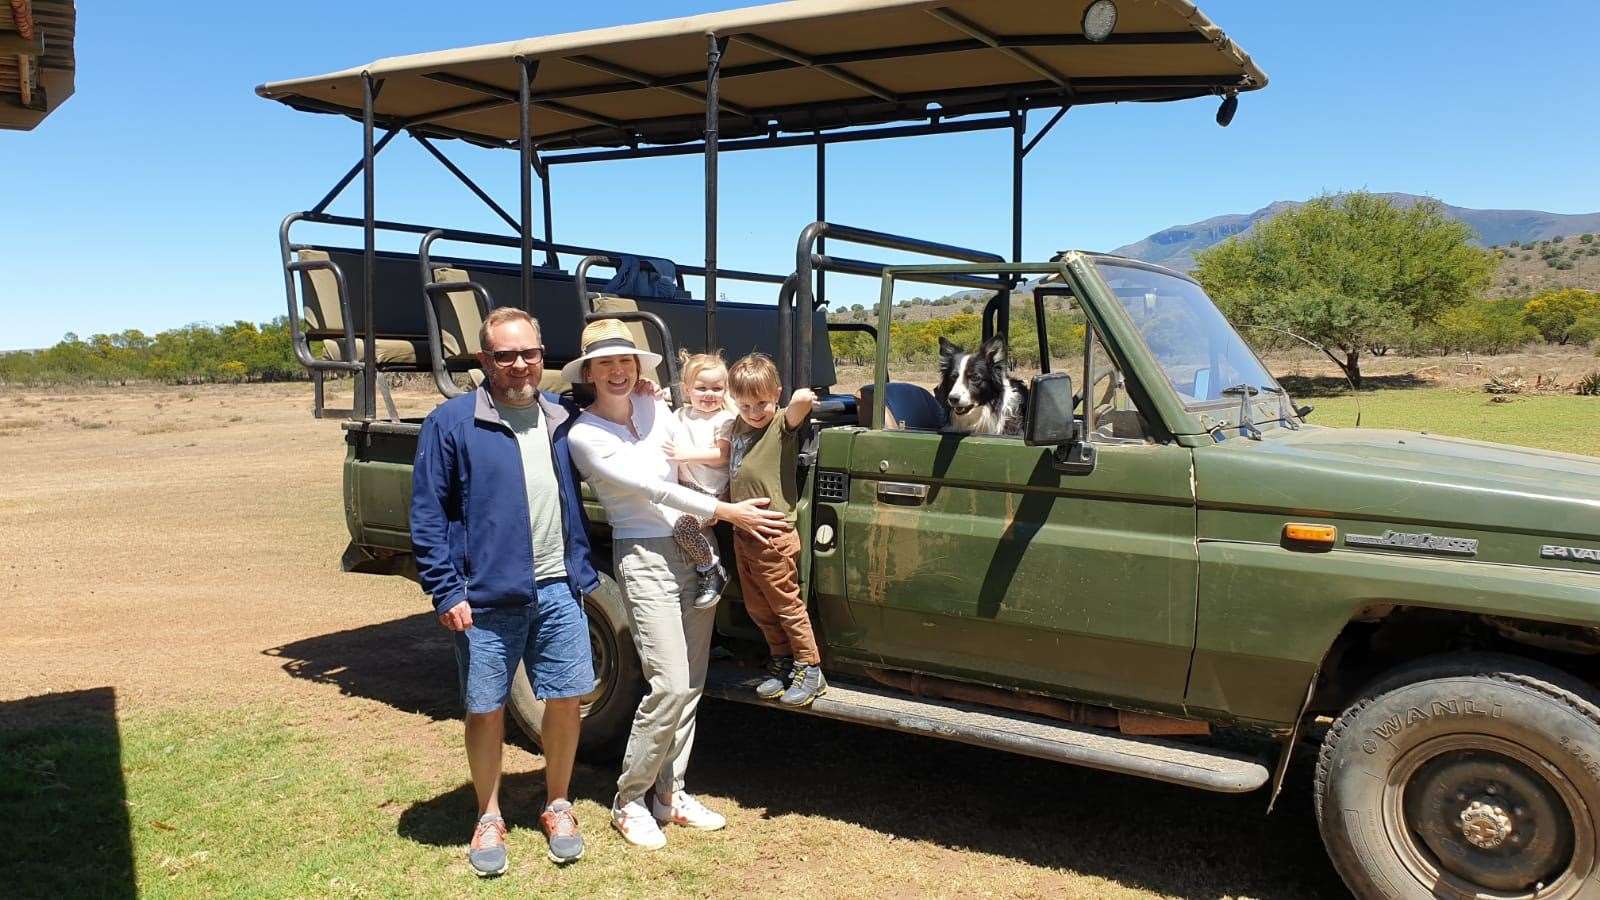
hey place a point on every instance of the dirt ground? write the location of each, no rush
(180, 545)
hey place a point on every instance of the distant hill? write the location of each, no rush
(1177, 246)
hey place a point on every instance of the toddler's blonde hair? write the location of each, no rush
(691, 365)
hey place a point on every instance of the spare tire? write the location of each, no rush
(1466, 776)
(608, 709)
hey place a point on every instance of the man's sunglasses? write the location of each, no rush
(530, 355)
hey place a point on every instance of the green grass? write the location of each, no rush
(248, 803)
(1564, 422)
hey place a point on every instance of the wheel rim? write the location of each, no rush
(1485, 816)
(603, 651)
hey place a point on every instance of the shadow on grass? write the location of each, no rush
(1309, 386)
(1161, 838)
(1143, 835)
(407, 663)
(63, 810)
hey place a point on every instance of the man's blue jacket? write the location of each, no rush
(469, 506)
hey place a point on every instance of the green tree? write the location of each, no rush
(1347, 271)
(1554, 313)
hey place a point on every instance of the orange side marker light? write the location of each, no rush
(1314, 535)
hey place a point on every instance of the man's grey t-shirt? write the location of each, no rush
(544, 495)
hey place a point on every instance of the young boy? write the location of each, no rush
(762, 450)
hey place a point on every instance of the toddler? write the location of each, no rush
(700, 448)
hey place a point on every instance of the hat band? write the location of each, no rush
(608, 343)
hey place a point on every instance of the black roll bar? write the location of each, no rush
(503, 240)
(808, 262)
(297, 335)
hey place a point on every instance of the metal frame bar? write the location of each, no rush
(1028, 148)
(715, 47)
(342, 183)
(822, 215)
(464, 179)
(503, 240)
(890, 274)
(506, 98)
(526, 70)
(992, 40)
(933, 126)
(776, 49)
(808, 261)
(369, 381)
(633, 80)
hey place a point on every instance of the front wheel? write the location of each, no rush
(618, 682)
(1473, 776)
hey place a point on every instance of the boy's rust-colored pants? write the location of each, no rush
(770, 579)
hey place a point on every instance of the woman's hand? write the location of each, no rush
(753, 518)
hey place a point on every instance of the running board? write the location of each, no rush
(1163, 760)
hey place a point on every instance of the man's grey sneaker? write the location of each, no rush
(778, 669)
(561, 831)
(711, 585)
(805, 685)
(487, 853)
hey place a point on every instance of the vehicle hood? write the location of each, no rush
(1405, 478)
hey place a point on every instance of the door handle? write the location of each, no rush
(902, 492)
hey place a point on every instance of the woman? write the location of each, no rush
(617, 446)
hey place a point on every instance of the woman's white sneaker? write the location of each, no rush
(686, 810)
(637, 826)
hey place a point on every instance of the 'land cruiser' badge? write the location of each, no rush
(1424, 543)
(1576, 554)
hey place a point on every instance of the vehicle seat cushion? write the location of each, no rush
(642, 336)
(460, 320)
(319, 294)
(906, 406)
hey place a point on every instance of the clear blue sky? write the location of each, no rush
(151, 198)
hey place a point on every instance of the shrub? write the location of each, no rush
(1589, 385)
(1586, 238)
(1557, 239)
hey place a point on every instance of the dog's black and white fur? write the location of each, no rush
(977, 389)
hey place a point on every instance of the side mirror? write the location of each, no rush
(1049, 421)
(1050, 424)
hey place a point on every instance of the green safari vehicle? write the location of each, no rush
(1169, 573)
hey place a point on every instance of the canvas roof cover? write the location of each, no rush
(37, 64)
(799, 66)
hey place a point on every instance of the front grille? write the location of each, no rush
(832, 486)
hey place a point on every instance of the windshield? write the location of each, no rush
(1204, 359)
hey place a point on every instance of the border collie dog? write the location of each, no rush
(976, 387)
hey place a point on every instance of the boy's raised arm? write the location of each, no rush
(799, 408)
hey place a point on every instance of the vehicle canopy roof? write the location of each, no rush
(801, 66)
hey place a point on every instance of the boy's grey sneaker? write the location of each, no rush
(778, 669)
(561, 831)
(487, 853)
(805, 685)
(711, 585)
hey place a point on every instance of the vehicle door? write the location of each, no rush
(975, 556)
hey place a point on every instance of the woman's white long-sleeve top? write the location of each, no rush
(630, 472)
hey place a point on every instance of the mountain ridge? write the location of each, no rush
(1177, 245)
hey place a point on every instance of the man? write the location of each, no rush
(499, 537)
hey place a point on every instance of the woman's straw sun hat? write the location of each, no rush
(608, 337)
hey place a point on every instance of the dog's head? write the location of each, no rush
(969, 380)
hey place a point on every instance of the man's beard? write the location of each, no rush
(521, 396)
